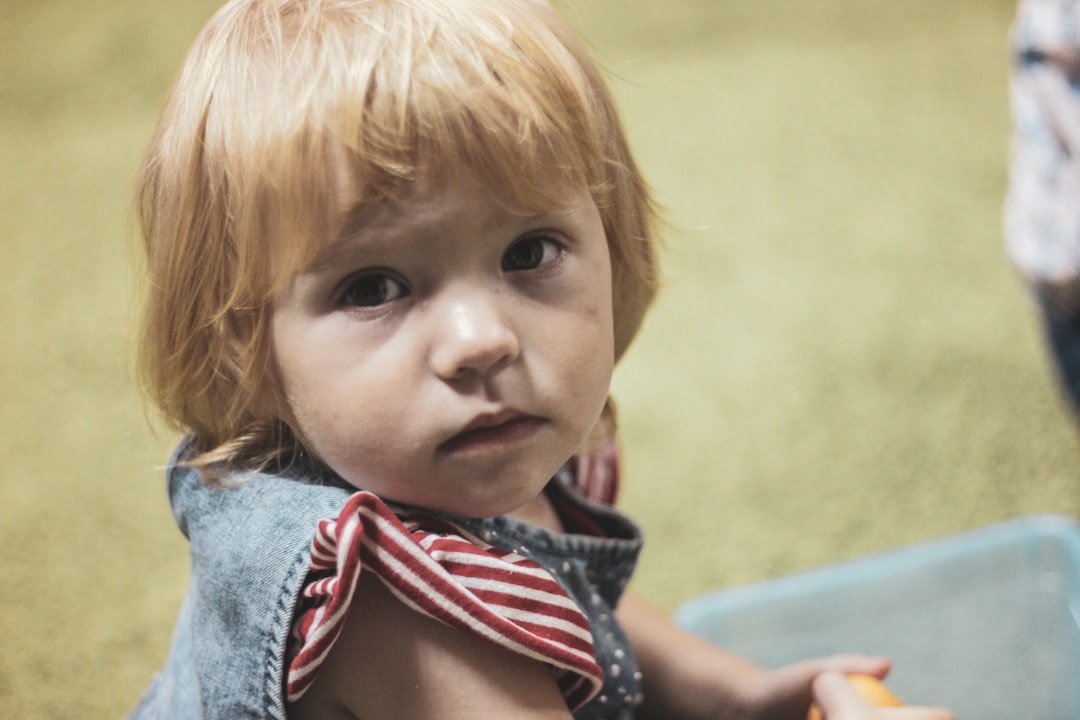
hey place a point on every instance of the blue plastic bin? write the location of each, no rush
(986, 623)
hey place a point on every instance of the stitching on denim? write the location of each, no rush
(278, 639)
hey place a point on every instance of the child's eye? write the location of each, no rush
(372, 290)
(530, 253)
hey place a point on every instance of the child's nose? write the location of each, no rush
(474, 336)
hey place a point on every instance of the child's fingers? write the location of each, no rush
(912, 712)
(853, 664)
(838, 699)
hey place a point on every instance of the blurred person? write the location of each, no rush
(1042, 204)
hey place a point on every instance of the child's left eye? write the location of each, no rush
(530, 253)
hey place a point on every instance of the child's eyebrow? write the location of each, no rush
(368, 227)
(377, 227)
(346, 247)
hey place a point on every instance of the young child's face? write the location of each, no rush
(447, 353)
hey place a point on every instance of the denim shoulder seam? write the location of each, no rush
(278, 635)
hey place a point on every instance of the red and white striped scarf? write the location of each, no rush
(443, 571)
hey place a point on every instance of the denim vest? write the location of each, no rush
(250, 545)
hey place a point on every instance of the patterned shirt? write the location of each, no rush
(1042, 206)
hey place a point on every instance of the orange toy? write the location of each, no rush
(870, 688)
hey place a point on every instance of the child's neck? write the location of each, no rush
(540, 511)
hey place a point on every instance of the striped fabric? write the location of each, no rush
(596, 474)
(439, 569)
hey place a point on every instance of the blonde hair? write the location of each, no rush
(287, 114)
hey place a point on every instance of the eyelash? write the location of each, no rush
(380, 287)
(353, 285)
(548, 244)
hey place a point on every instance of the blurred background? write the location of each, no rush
(841, 361)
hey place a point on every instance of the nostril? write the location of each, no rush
(464, 357)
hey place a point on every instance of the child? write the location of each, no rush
(394, 249)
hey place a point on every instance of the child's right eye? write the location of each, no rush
(372, 290)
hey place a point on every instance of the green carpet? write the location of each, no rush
(841, 361)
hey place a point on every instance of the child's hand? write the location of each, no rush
(785, 693)
(839, 700)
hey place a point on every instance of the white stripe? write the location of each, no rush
(485, 560)
(539, 619)
(526, 591)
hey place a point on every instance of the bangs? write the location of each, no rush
(499, 94)
(400, 94)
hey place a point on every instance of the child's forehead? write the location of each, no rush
(466, 190)
(427, 208)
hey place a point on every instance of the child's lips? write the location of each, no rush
(492, 431)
